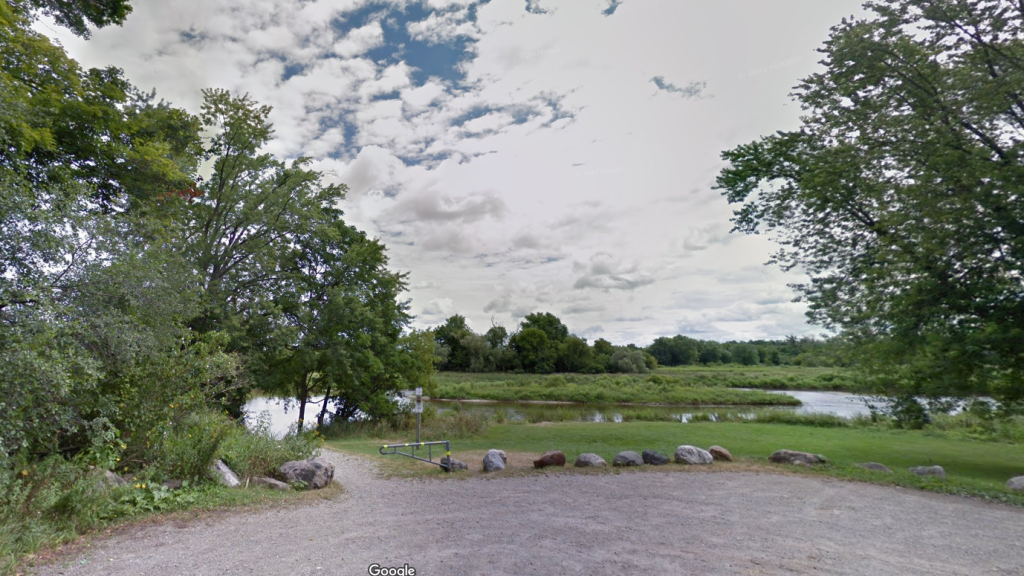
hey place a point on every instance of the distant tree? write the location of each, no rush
(899, 195)
(449, 336)
(710, 353)
(746, 354)
(629, 361)
(547, 323)
(574, 355)
(535, 351)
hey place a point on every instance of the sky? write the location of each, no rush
(518, 156)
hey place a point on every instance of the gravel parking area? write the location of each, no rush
(623, 524)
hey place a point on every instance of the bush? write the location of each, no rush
(257, 452)
(190, 448)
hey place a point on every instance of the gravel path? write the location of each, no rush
(623, 524)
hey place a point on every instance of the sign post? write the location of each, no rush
(418, 410)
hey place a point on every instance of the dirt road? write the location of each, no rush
(622, 524)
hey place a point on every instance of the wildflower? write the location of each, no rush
(137, 484)
(24, 472)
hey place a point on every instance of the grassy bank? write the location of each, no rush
(975, 468)
(600, 389)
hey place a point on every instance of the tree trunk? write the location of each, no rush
(303, 396)
(323, 410)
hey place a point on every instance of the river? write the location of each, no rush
(282, 414)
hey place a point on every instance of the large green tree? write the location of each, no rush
(900, 195)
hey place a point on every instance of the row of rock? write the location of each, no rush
(314, 473)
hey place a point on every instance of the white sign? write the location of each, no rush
(418, 409)
(419, 391)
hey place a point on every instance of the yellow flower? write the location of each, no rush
(136, 484)
(24, 472)
(143, 486)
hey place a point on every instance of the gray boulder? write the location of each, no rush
(316, 473)
(271, 483)
(448, 464)
(654, 458)
(112, 480)
(686, 454)
(1016, 484)
(172, 484)
(627, 458)
(501, 453)
(590, 460)
(493, 461)
(719, 453)
(874, 466)
(797, 458)
(937, 471)
(221, 473)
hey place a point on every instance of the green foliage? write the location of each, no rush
(604, 389)
(257, 452)
(898, 195)
(190, 447)
(536, 352)
(628, 361)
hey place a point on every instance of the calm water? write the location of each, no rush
(283, 414)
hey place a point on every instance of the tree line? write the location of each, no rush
(542, 344)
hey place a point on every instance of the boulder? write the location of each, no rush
(314, 472)
(719, 453)
(501, 453)
(224, 475)
(874, 466)
(654, 458)
(172, 484)
(271, 483)
(937, 471)
(1016, 484)
(686, 454)
(550, 458)
(448, 464)
(627, 458)
(798, 458)
(589, 460)
(493, 461)
(112, 480)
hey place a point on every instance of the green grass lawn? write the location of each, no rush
(975, 468)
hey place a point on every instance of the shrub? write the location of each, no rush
(257, 452)
(190, 447)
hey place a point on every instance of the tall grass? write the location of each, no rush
(604, 389)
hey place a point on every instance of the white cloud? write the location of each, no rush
(580, 187)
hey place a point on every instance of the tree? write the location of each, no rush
(574, 355)
(900, 193)
(547, 323)
(536, 352)
(449, 337)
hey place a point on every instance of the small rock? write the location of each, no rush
(627, 458)
(315, 472)
(172, 484)
(874, 466)
(224, 475)
(686, 454)
(271, 483)
(798, 458)
(550, 458)
(1016, 484)
(719, 453)
(589, 460)
(937, 471)
(448, 464)
(501, 453)
(654, 458)
(493, 461)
